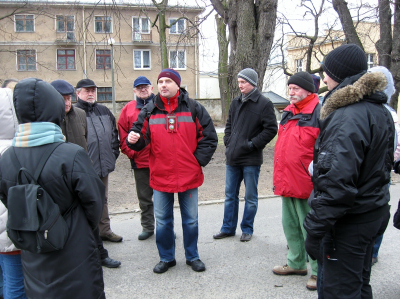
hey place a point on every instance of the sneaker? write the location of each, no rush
(162, 267)
(112, 238)
(196, 265)
(110, 263)
(286, 270)
(312, 283)
(145, 235)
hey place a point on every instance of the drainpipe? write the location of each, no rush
(84, 42)
(196, 64)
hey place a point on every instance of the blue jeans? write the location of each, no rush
(13, 278)
(234, 177)
(164, 212)
(377, 245)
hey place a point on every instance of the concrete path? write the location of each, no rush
(234, 269)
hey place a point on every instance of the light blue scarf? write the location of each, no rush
(36, 134)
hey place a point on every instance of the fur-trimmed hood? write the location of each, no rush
(365, 86)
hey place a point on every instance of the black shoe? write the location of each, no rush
(197, 265)
(145, 235)
(222, 235)
(374, 261)
(245, 238)
(110, 263)
(162, 267)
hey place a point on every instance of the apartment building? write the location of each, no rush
(76, 40)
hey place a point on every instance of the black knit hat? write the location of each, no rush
(345, 61)
(303, 80)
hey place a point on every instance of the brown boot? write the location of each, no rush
(286, 270)
(312, 283)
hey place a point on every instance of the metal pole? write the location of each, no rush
(112, 79)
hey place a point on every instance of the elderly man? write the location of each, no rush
(139, 160)
(103, 144)
(298, 131)
(353, 157)
(74, 128)
(182, 139)
(251, 125)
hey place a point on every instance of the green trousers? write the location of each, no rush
(294, 211)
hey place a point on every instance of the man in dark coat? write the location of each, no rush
(68, 176)
(103, 144)
(250, 126)
(74, 128)
(353, 156)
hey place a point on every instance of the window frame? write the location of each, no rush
(103, 21)
(141, 58)
(99, 92)
(104, 59)
(299, 66)
(25, 15)
(140, 25)
(370, 63)
(176, 26)
(177, 59)
(66, 59)
(26, 62)
(65, 23)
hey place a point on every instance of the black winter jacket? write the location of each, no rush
(255, 121)
(102, 137)
(353, 155)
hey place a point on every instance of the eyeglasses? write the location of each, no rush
(142, 87)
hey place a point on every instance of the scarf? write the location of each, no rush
(245, 97)
(36, 134)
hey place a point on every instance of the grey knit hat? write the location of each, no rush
(303, 80)
(249, 75)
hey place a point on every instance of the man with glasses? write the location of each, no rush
(143, 90)
(103, 144)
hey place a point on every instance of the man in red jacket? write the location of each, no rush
(298, 131)
(182, 140)
(143, 90)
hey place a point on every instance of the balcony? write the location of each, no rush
(142, 38)
(65, 38)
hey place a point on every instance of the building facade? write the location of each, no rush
(75, 40)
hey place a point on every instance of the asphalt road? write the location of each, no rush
(234, 269)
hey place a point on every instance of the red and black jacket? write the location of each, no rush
(178, 152)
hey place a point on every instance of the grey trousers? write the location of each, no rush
(145, 194)
(104, 224)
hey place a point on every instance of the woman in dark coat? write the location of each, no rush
(75, 271)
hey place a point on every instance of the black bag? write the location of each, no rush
(34, 221)
(396, 217)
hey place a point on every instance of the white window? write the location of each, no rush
(102, 24)
(299, 65)
(24, 23)
(370, 60)
(141, 59)
(178, 27)
(141, 25)
(177, 59)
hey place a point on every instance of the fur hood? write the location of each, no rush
(366, 85)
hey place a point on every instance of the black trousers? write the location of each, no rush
(347, 254)
(99, 241)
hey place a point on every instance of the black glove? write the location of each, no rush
(313, 247)
(396, 166)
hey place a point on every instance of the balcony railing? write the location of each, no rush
(65, 37)
(138, 37)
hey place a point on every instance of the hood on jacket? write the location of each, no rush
(353, 92)
(37, 101)
(389, 89)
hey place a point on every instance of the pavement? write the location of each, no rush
(234, 269)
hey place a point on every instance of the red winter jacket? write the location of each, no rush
(128, 116)
(294, 150)
(176, 155)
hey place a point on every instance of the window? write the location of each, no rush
(103, 59)
(299, 65)
(24, 23)
(178, 27)
(102, 24)
(177, 59)
(370, 60)
(26, 60)
(141, 59)
(141, 25)
(65, 23)
(66, 60)
(104, 94)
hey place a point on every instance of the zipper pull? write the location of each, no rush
(45, 234)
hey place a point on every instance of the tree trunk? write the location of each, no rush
(384, 44)
(341, 8)
(395, 65)
(223, 67)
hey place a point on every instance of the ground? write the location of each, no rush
(122, 189)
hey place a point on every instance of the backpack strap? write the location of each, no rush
(192, 108)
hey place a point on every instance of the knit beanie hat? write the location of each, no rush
(249, 75)
(303, 80)
(345, 61)
(317, 81)
(172, 74)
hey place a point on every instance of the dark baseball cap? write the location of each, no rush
(141, 80)
(85, 83)
(63, 87)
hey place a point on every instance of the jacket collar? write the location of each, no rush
(86, 105)
(308, 109)
(361, 87)
(183, 97)
(255, 94)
